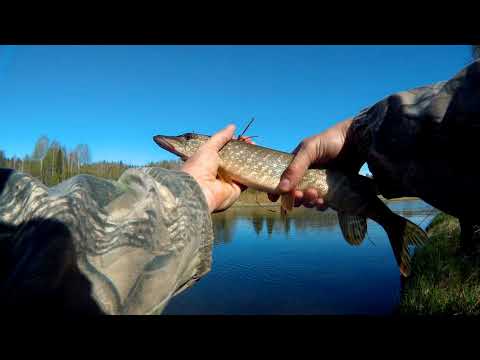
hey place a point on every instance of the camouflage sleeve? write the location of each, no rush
(139, 240)
(409, 135)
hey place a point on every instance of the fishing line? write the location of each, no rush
(246, 128)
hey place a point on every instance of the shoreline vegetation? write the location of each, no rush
(51, 163)
(251, 197)
(443, 281)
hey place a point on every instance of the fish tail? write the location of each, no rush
(403, 233)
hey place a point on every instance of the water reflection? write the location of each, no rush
(223, 228)
(269, 220)
(263, 264)
(258, 224)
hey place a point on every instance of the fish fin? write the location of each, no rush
(224, 176)
(403, 233)
(353, 228)
(286, 203)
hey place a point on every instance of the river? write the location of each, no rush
(263, 265)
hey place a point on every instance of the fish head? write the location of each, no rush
(184, 145)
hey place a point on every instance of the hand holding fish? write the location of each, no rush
(316, 150)
(203, 166)
(220, 163)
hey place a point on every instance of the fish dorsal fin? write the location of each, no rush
(354, 228)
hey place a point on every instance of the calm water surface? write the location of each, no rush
(264, 265)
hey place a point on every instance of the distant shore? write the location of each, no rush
(264, 201)
(269, 204)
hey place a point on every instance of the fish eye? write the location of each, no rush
(188, 136)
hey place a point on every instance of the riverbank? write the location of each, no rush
(442, 282)
(251, 197)
(269, 204)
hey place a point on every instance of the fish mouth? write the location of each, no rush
(164, 142)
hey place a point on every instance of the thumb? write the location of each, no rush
(219, 139)
(295, 171)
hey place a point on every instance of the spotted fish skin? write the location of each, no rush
(352, 196)
(261, 168)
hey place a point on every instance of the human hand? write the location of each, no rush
(316, 150)
(203, 167)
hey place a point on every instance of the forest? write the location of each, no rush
(52, 163)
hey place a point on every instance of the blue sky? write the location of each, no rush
(115, 98)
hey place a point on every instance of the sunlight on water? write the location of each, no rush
(264, 265)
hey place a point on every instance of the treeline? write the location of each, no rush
(52, 163)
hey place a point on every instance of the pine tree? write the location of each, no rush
(2, 159)
(39, 152)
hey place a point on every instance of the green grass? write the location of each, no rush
(442, 282)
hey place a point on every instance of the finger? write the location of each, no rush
(273, 197)
(298, 196)
(229, 193)
(322, 208)
(219, 139)
(310, 196)
(241, 186)
(321, 204)
(295, 171)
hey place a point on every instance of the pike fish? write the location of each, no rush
(354, 197)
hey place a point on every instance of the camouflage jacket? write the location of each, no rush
(425, 142)
(137, 241)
